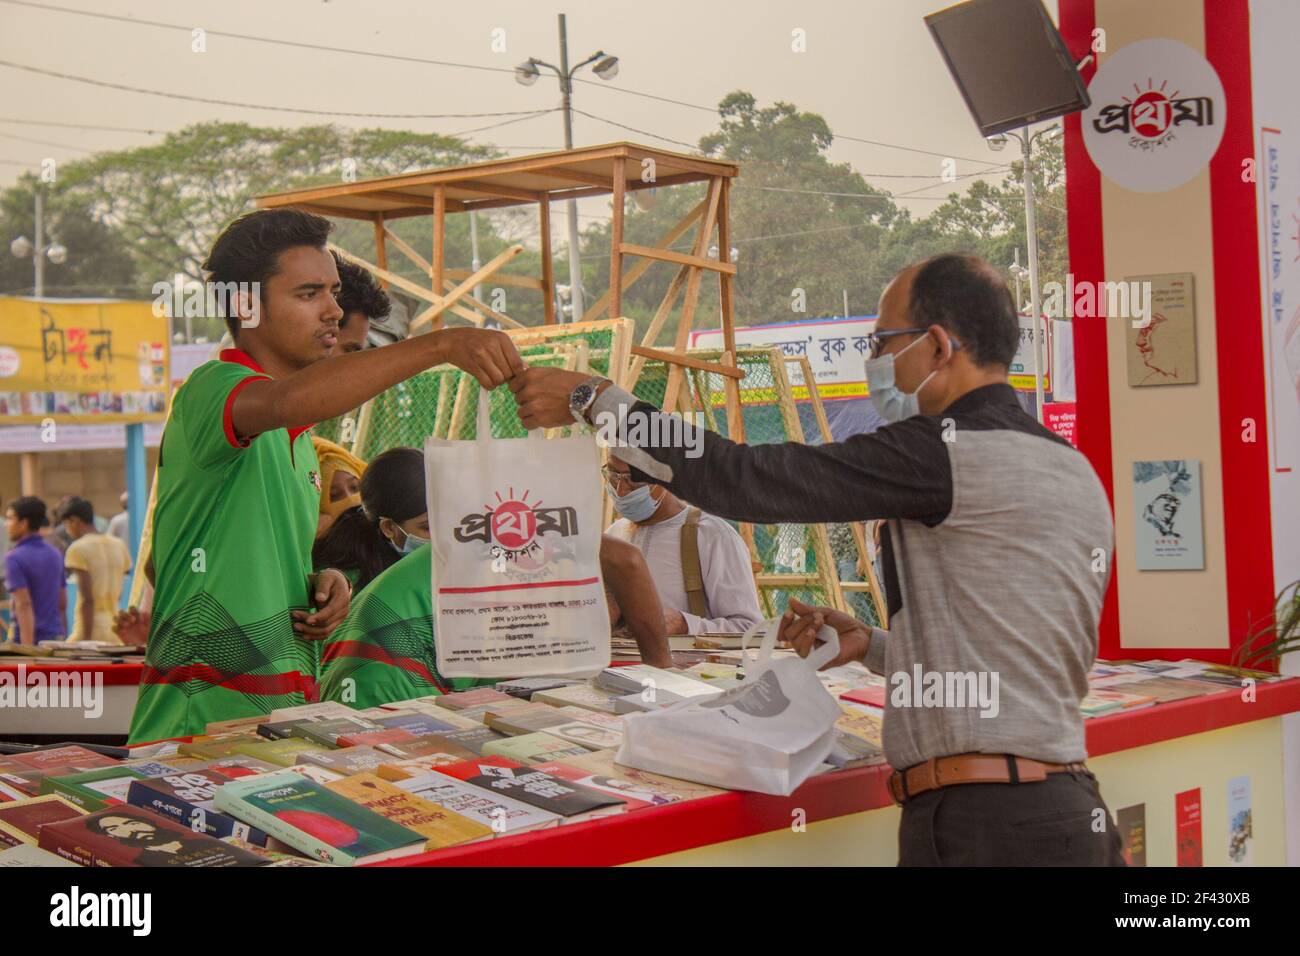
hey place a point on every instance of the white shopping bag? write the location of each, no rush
(515, 526)
(768, 734)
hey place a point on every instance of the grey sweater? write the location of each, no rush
(997, 552)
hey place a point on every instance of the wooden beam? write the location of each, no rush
(406, 285)
(657, 323)
(333, 211)
(548, 266)
(687, 361)
(411, 199)
(638, 270)
(409, 252)
(487, 311)
(438, 260)
(505, 192)
(381, 250)
(514, 281)
(616, 243)
(578, 176)
(687, 321)
(456, 294)
(667, 255)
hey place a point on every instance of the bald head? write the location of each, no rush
(967, 297)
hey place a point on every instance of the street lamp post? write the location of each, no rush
(1026, 141)
(22, 247)
(526, 74)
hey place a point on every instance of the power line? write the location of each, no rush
(49, 8)
(112, 129)
(257, 106)
(633, 129)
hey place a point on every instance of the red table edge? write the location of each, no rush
(646, 833)
(115, 674)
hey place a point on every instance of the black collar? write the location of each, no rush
(999, 393)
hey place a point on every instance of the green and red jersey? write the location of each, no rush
(233, 525)
(383, 651)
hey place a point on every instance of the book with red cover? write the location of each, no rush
(532, 786)
(60, 757)
(472, 698)
(132, 836)
(21, 819)
(875, 696)
(1187, 827)
(372, 738)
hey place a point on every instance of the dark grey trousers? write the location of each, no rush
(1060, 821)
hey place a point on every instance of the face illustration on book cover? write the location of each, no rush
(158, 847)
(1161, 512)
(1147, 344)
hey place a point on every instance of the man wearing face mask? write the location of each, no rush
(700, 565)
(994, 528)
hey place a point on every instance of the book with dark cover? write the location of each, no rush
(327, 732)
(415, 723)
(281, 729)
(20, 819)
(526, 687)
(530, 785)
(1132, 823)
(315, 821)
(131, 836)
(187, 799)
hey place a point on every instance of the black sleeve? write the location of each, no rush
(899, 471)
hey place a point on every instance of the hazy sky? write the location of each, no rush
(870, 68)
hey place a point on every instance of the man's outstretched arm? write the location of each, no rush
(334, 386)
(899, 471)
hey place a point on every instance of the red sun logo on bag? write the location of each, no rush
(514, 524)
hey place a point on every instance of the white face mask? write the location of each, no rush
(893, 404)
(411, 542)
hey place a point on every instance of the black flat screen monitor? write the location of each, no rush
(1009, 61)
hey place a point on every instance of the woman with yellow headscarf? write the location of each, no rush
(340, 482)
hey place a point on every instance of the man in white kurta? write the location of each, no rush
(653, 520)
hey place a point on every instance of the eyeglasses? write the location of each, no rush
(614, 478)
(876, 340)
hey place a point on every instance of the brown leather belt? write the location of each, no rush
(971, 768)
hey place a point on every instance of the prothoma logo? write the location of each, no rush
(515, 527)
(1156, 117)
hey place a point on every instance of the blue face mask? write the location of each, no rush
(637, 505)
(893, 404)
(410, 543)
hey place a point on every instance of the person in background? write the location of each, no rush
(119, 526)
(362, 301)
(340, 482)
(390, 521)
(33, 575)
(100, 563)
(699, 563)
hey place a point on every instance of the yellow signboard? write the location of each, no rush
(89, 362)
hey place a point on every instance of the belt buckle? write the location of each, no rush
(897, 787)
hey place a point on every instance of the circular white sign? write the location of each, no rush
(1156, 117)
(8, 362)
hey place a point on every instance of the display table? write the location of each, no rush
(1144, 756)
(114, 684)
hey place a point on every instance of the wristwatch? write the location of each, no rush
(582, 397)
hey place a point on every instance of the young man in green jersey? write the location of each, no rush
(236, 604)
